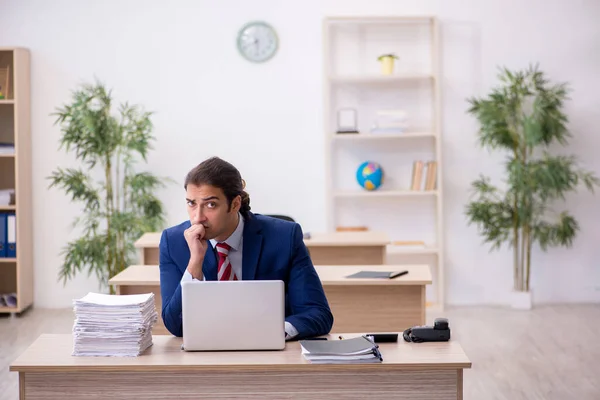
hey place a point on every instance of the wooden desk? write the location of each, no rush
(358, 305)
(147, 246)
(335, 248)
(48, 371)
(348, 248)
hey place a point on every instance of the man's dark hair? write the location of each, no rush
(223, 175)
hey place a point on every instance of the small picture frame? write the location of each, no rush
(346, 121)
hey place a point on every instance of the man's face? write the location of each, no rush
(207, 205)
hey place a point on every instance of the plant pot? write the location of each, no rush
(521, 300)
(387, 65)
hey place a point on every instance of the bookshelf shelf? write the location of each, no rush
(378, 79)
(384, 193)
(406, 207)
(16, 272)
(383, 137)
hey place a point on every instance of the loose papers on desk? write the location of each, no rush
(354, 351)
(113, 325)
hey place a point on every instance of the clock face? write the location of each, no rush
(257, 41)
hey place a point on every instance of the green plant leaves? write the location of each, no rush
(121, 207)
(77, 184)
(523, 117)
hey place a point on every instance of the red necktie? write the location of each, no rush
(225, 272)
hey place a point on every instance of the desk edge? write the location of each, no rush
(291, 368)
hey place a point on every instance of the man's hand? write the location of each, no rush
(194, 237)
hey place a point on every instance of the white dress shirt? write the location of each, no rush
(236, 242)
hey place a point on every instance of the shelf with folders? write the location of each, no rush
(386, 121)
(16, 224)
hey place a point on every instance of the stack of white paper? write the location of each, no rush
(6, 195)
(113, 325)
(389, 121)
(7, 148)
(357, 350)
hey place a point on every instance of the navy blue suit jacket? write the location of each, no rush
(273, 250)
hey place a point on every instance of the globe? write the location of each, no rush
(369, 175)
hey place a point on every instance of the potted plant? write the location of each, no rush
(122, 204)
(524, 118)
(387, 63)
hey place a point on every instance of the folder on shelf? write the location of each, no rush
(2, 234)
(11, 235)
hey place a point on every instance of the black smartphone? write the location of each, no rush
(384, 337)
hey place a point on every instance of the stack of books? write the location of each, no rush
(428, 170)
(113, 325)
(357, 350)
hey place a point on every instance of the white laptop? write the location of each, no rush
(233, 315)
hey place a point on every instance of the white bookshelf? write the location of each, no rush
(353, 79)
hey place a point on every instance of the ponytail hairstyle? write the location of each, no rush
(223, 175)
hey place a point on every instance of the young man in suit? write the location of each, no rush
(223, 240)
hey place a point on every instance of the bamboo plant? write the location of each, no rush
(524, 118)
(118, 204)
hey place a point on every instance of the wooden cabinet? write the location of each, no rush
(16, 271)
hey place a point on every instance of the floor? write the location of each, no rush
(550, 353)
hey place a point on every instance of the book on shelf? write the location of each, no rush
(424, 175)
(5, 82)
(430, 181)
(409, 244)
(351, 229)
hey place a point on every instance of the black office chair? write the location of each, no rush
(284, 217)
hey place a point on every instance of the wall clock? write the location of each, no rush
(257, 41)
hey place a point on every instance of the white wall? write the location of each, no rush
(179, 59)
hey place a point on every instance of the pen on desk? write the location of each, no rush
(377, 353)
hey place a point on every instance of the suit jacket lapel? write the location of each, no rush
(252, 248)
(209, 266)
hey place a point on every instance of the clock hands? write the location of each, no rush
(257, 42)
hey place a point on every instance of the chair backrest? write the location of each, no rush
(284, 217)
